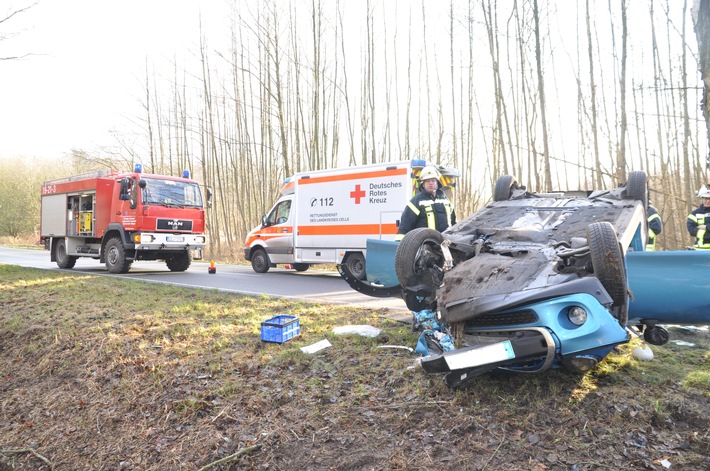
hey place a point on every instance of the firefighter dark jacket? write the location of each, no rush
(699, 217)
(427, 210)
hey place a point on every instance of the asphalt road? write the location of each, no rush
(314, 285)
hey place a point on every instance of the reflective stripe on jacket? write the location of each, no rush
(426, 210)
(654, 221)
(699, 217)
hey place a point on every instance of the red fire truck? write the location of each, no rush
(120, 217)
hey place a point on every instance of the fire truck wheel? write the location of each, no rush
(301, 266)
(260, 261)
(116, 256)
(355, 265)
(60, 255)
(180, 262)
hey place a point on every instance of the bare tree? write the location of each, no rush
(541, 96)
(5, 21)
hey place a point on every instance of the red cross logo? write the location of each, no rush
(357, 194)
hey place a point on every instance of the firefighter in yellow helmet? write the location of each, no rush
(429, 207)
(698, 220)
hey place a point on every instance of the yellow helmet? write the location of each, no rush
(704, 192)
(429, 172)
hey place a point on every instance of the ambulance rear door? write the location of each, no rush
(341, 210)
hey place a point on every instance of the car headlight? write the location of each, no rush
(577, 315)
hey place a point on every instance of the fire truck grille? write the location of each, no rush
(174, 225)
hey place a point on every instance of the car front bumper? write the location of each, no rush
(549, 338)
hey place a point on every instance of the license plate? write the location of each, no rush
(176, 239)
(485, 355)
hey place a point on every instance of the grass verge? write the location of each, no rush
(102, 373)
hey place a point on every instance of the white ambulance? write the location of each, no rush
(326, 216)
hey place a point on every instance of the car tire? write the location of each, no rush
(637, 187)
(60, 255)
(504, 188)
(116, 261)
(179, 262)
(608, 265)
(260, 261)
(301, 266)
(406, 259)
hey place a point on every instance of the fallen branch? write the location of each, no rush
(231, 457)
(28, 450)
(494, 453)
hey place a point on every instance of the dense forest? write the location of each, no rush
(563, 95)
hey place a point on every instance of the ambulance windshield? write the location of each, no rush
(171, 193)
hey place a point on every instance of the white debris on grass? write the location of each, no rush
(411, 350)
(690, 329)
(683, 343)
(318, 346)
(643, 353)
(364, 330)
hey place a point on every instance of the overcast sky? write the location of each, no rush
(84, 76)
(86, 66)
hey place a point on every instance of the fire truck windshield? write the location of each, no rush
(171, 193)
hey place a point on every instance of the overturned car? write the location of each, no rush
(529, 282)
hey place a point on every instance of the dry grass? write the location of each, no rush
(100, 373)
(26, 241)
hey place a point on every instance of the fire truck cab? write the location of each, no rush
(118, 218)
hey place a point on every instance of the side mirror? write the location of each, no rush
(142, 183)
(263, 220)
(209, 197)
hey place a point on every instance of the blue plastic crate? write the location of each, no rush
(280, 329)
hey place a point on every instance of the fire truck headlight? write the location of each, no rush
(200, 239)
(144, 238)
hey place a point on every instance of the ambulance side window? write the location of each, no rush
(280, 213)
(284, 210)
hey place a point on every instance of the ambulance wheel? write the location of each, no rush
(608, 265)
(116, 261)
(504, 188)
(355, 265)
(260, 261)
(180, 262)
(60, 255)
(301, 266)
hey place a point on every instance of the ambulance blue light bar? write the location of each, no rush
(418, 163)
